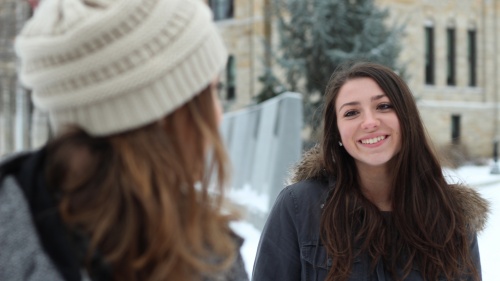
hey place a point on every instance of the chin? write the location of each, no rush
(375, 162)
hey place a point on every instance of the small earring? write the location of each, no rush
(340, 143)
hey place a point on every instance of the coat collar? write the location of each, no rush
(475, 207)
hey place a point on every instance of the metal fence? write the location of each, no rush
(263, 142)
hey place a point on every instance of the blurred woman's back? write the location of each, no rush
(129, 88)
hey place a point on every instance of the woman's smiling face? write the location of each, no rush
(367, 123)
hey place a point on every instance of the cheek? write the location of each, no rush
(399, 140)
(396, 127)
(345, 131)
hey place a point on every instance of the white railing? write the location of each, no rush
(263, 142)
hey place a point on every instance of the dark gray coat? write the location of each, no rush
(290, 248)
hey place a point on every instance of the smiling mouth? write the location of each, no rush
(373, 140)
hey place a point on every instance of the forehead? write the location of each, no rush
(358, 90)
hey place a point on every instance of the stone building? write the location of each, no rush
(449, 49)
(21, 126)
(244, 27)
(14, 100)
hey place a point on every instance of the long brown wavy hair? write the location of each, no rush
(426, 229)
(142, 197)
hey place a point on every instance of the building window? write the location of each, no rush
(450, 62)
(231, 78)
(222, 9)
(472, 57)
(429, 55)
(455, 129)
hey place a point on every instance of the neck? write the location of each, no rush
(376, 186)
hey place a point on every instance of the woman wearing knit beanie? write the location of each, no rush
(122, 192)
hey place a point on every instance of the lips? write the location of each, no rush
(373, 140)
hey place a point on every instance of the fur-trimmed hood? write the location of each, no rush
(475, 207)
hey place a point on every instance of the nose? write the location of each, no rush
(370, 121)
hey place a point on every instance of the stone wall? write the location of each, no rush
(477, 106)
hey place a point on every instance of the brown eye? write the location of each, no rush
(385, 106)
(350, 113)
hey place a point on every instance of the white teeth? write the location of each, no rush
(374, 140)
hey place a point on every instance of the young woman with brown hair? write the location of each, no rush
(370, 202)
(131, 188)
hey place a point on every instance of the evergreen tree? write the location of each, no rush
(315, 36)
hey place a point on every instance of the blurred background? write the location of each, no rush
(282, 53)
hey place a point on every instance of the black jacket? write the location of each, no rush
(290, 248)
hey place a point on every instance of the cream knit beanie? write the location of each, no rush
(110, 66)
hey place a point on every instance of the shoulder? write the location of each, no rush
(12, 162)
(304, 194)
(473, 206)
(236, 271)
(308, 191)
(10, 190)
(301, 204)
(22, 253)
(310, 167)
(10, 194)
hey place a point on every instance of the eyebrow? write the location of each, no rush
(374, 98)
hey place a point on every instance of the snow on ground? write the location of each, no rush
(249, 198)
(477, 176)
